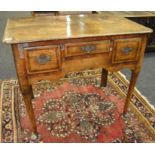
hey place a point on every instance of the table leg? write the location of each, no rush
(133, 80)
(104, 76)
(28, 96)
(25, 87)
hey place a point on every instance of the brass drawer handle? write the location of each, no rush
(43, 59)
(127, 50)
(88, 48)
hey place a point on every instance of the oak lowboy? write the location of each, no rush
(46, 48)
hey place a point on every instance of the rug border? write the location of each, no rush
(1, 89)
(135, 109)
(137, 93)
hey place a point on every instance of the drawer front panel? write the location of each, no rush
(125, 50)
(42, 59)
(84, 48)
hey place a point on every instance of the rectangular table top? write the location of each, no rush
(30, 29)
(131, 14)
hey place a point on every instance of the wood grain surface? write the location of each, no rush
(32, 29)
(129, 13)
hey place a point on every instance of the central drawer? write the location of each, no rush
(83, 48)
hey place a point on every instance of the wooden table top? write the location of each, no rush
(129, 13)
(30, 29)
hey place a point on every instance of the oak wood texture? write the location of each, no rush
(134, 76)
(58, 13)
(146, 18)
(82, 42)
(31, 29)
(126, 49)
(45, 58)
(75, 49)
(129, 13)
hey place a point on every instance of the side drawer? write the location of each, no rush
(77, 49)
(125, 50)
(42, 58)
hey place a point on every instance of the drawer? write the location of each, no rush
(125, 50)
(84, 48)
(42, 59)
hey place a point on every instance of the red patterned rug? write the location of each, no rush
(76, 109)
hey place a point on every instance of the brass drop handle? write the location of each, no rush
(127, 50)
(43, 59)
(88, 48)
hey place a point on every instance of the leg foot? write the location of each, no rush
(27, 96)
(133, 80)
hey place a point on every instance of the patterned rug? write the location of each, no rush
(77, 109)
